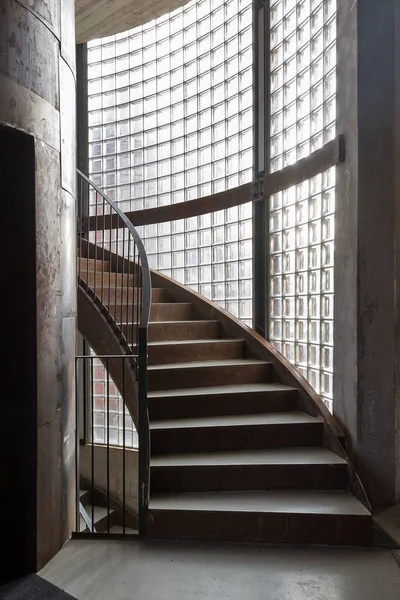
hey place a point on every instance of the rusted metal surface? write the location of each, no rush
(328, 156)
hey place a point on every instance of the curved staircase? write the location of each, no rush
(241, 447)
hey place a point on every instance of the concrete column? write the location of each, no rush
(367, 335)
(38, 304)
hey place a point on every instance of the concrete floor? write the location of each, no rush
(154, 570)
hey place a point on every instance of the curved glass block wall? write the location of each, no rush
(170, 120)
(303, 113)
(109, 411)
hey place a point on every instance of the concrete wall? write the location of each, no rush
(37, 96)
(367, 340)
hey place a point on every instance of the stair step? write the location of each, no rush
(313, 517)
(186, 350)
(84, 265)
(100, 520)
(182, 330)
(272, 469)
(112, 295)
(120, 530)
(106, 279)
(235, 432)
(200, 373)
(162, 311)
(221, 400)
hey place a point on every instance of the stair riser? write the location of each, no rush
(163, 312)
(232, 478)
(183, 331)
(102, 524)
(115, 295)
(172, 353)
(168, 379)
(221, 404)
(260, 527)
(99, 265)
(246, 437)
(105, 279)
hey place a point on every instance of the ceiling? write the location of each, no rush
(100, 18)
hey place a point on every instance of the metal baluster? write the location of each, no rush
(122, 284)
(138, 308)
(80, 225)
(92, 417)
(109, 265)
(108, 446)
(116, 282)
(128, 319)
(123, 447)
(102, 243)
(77, 464)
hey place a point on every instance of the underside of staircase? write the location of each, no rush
(242, 449)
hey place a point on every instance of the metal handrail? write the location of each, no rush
(146, 278)
(127, 301)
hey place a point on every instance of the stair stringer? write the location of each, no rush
(102, 333)
(260, 348)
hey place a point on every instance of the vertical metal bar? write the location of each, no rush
(103, 242)
(127, 281)
(87, 235)
(135, 299)
(143, 433)
(108, 446)
(123, 449)
(80, 224)
(77, 458)
(116, 278)
(109, 266)
(92, 440)
(260, 161)
(122, 284)
(140, 305)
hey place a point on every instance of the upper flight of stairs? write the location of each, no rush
(104, 519)
(240, 451)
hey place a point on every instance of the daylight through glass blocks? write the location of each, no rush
(303, 113)
(170, 120)
(108, 424)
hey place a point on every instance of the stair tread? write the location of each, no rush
(120, 529)
(172, 303)
(291, 417)
(184, 342)
(271, 456)
(180, 321)
(231, 362)
(222, 389)
(99, 512)
(306, 502)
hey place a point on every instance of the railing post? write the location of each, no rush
(143, 433)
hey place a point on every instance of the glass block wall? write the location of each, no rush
(104, 387)
(170, 120)
(303, 112)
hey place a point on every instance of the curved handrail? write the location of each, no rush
(122, 286)
(146, 278)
